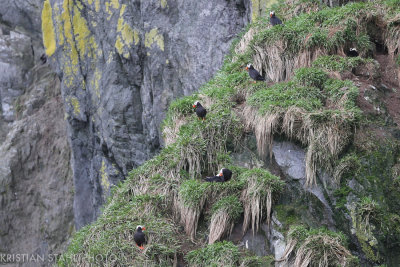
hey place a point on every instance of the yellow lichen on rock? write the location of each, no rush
(126, 35)
(115, 4)
(154, 37)
(49, 40)
(104, 177)
(70, 66)
(95, 83)
(164, 3)
(136, 37)
(97, 5)
(119, 45)
(85, 41)
(75, 105)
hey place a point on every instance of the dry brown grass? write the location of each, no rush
(264, 128)
(243, 44)
(189, 216)
(170, 133)
(277, 66)
(316, 250)
(221, 225)
(325, 141)
(321, 250)
(254, 203)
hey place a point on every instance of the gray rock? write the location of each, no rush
(276, 239)
(291, 159)
(36, 186)
(16, 60)
(22, 14)
(138, 56)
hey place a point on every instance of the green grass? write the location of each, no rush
(314, 30)
(231, 204)
(309, 90)
(284, 95)
(200, 148)
(338, 63)
(192, 191)
(218, 254)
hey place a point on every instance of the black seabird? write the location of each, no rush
(254, 73)
(352, 52)
(200, 110)
(43, 58)
(274, 20)
(139, 236)
(224, 175)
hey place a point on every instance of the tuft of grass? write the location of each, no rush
(224, 214)
(256, 261)
(218, 254)
(317, 246)
(258, 196)
(283, 95)
(311, 77)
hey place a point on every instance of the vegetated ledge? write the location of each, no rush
(311, 108)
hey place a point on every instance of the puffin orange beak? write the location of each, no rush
(270, 15)
(144, 228)
(220, 174)
(194, 106)
(247, 68)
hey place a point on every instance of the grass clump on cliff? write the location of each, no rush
(218, 254)
(319, 247)
(224, 214)
(338, 63)
(316, 110)
(258, 195)
(110, 239)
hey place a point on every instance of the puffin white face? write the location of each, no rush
(220, 172)
(353, 49)
(195, 103)
(248, 66)
(140, 226)
(271, 13)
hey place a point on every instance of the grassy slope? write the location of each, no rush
(167, 189)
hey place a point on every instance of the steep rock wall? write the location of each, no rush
(36, 189)
(121, 64)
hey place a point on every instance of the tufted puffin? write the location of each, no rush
(139, 236)
(254, 73)
(274, 20)
(352, 52)
(224, 175)
(200, 110)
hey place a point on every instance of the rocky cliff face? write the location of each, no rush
(36, 189)
(121, 64)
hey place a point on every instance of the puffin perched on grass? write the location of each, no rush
(200, 110)
(139, 236)
(274, 20)
(352, 52)
(254, 74)
(224, 175)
